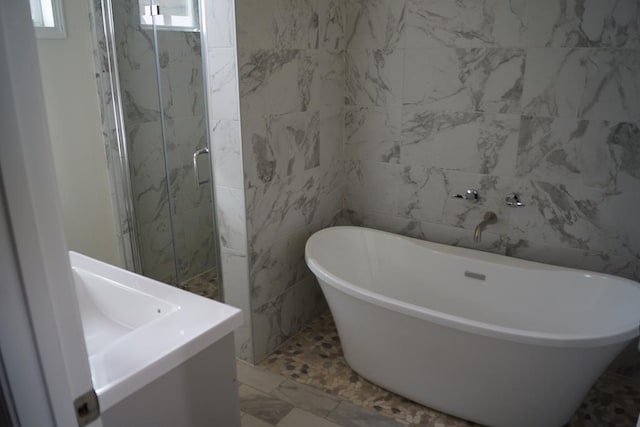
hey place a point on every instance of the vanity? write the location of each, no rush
(159, 356)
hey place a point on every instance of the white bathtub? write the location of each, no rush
(492, 339)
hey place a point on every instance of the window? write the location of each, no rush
(173, 14)
(47, 19)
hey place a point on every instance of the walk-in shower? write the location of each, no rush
(150, 70)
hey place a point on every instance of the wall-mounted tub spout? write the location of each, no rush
(489, 218)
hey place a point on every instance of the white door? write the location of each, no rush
(42, 345)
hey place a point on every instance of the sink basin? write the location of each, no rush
(137, 329)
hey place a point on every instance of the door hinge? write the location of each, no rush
(87, 408)
(152, 10)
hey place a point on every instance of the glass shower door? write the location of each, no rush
(160, 68)
(180, 63)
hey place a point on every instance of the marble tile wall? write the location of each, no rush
(291, 65)
(536, 97)
(218, 20)
(183, 101)
(374, 112)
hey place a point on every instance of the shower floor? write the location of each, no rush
(314, 357)
(204, 284)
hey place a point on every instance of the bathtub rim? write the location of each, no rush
(621, 334)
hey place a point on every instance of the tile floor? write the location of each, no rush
(204, 284)
(268, 400)
(307, 382)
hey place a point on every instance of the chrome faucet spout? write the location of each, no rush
(489, 218)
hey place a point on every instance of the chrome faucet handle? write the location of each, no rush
(471, 195)
(513, 199)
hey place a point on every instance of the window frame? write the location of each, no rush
(163, 27)
(58, 31)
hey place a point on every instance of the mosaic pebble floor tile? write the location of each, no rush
(314, 357)
(204, 284)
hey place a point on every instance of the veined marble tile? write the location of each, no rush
(391, 224)
(326, 71)
(261, 405)
(275, 266)
(254, 24)
(184, 92)
(461, 237)
(612, 89)
(295, 24)
(220, 23)
(137, 111)
(374, 77)
(298, 417)
(466, 141)
(593, 153)
(573, 258)
(223, 84)
(465, 23)
(259, 162)
(308, 65)
(148, 175)
(259, 379)
(134, 45)
(479, 79)
(373, 133)
(235, 283)
(589, 23)
(331, 192)
(156, 250)
(432, 231)
(194, 238)
(295, 138)
(138, 78)
(616, 216)
(269, 81)
(231, 218)
(248, 420)
(285, 315)
(363, 177)
(227, 153)
(235, 279)
(375, 24)
(412, 192)
(464, 214)
(554, 81)
(183, 137)
(179, 48)
(331, 135)
(305, 397)
(291, 145)
(578, 217)
(284, 206)
(422, 193)
(285, 24)
(331, 24)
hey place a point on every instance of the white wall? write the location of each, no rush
(73, 114)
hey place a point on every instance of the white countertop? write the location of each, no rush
(137, 329)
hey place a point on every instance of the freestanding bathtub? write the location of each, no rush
(488, 338)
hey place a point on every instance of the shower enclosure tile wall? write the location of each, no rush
(291, 71)
(182, 99)
(502, 96)
(226, 160)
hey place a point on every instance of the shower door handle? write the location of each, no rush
(196, 172)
